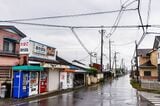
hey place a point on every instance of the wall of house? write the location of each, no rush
(53, 80)
(8, 34)
(143, 60)
(154, 73)
(153, 58)
(8, 61)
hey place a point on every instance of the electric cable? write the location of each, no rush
(118, 18)
(91, 27)
(148, 14)
(67, 16)
(75, 34)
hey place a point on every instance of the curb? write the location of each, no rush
(150, 103)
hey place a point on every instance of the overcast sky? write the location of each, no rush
(64, 40)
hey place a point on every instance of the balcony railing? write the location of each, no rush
(9, 53)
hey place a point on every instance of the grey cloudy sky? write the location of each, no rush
(63, 39)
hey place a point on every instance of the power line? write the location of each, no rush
(119, 16)
(89, 27)
(148, 14)
(67, 16)
(113, 29)
(130, 3)
(140, 18)
(75, 34)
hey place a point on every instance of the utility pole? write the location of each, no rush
(110, 57)
(102, 31)
(115, 59)
(137, 72)
(90, 54)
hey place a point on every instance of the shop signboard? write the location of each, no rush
(36, 49)
(39, 48)
(41, 51)
(24, 46)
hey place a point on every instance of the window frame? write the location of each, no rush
(10, 47)
(147, 73)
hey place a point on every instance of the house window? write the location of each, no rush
(8, 46)
(147, 73)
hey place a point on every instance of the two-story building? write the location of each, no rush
(156, 46)
(147, 64)
(10, 37)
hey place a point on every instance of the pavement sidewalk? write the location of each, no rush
(154, 99)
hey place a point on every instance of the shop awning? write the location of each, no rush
(91, 70)
(80, 71)
(68, 70)
(27, 68)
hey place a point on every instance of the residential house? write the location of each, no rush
(156, 46)
(147, 64)
(10, 37)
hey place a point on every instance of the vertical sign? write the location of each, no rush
(24, 46)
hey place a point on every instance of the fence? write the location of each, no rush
(150, 84)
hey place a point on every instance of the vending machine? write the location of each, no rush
(43, 81)
(63, 80)
(20, 84)
(70, 80)
(33, 85)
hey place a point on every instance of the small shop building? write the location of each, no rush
(35, 54)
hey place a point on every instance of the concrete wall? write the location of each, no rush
(53, 80)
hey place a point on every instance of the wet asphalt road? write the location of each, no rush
(117, 92)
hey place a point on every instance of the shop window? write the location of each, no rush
(147, 73)
(8, 46)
